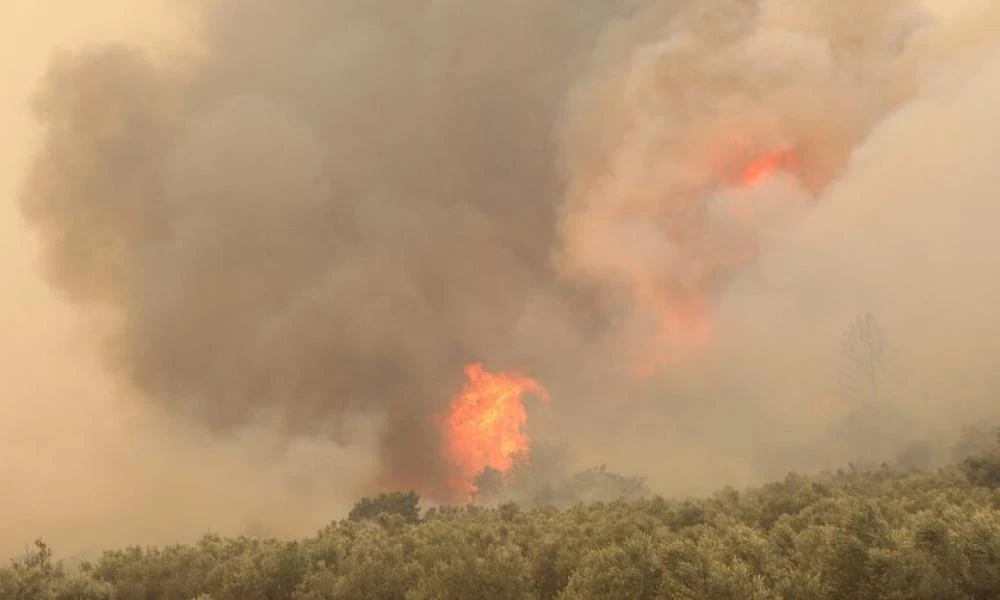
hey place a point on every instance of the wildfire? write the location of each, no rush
(484, 427)
(684, 320)
(683, 331)
(768, 164)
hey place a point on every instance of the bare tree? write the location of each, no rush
(863, 352)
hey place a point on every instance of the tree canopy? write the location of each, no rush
(861, 533)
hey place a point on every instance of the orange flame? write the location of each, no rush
(768, 164)
(684, 319)
(485, 425)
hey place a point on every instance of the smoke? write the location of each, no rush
(328, 209)
(298, 233)
(691, 94)
(885, 211)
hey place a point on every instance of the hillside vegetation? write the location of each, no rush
(860, 533)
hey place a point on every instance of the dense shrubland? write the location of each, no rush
(882, 532)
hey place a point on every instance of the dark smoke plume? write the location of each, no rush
(329, 210)
(324, 210)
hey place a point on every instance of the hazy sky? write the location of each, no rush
(54, 401)
(35, 322)
(81, 473)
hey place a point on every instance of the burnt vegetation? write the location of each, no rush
(861, 532)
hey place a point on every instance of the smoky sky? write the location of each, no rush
(329, 207)
(325, 209)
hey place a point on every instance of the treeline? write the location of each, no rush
(860, 533)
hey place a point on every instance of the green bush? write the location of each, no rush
(857, 533)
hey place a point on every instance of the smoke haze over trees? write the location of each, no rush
(863, 533)
(289, 233)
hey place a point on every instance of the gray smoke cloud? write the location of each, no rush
(691, 94)
(328, 208)
(744, 292)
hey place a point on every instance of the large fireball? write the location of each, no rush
(484, 427)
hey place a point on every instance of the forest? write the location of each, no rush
(864, 531)
(288, 229)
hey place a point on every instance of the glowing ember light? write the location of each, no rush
(485, 425)
(684, 330)
(682, 325)
(768, 164)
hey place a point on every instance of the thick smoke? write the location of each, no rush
(885, 211)
(691, 93)
(321, 214)
(330, 210)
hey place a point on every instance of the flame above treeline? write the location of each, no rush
(485, 425)
(682, 325)
(310, 216)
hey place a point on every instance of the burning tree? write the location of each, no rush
(484, 428)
